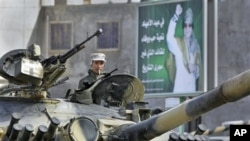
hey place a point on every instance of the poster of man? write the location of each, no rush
(171, 47)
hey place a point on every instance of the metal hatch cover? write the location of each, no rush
(123, 88)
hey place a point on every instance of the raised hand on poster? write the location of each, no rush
(178, 10)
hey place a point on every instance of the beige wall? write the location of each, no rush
(18, 19)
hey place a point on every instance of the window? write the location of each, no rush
(61, 36)
(110, 37)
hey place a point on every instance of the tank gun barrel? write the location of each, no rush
(231, 90)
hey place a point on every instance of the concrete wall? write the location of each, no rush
(18, 20)
(233, 57)
(84, 19)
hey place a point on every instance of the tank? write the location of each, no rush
(116, 111)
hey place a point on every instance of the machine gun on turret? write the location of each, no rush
(63, 58)
(30, 73)
(54, 66)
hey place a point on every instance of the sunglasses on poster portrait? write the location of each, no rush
(185, 25)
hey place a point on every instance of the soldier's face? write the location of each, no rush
(97, 66)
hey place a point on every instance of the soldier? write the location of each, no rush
(95, 72)
(87, 84)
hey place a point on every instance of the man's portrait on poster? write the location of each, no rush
(184, 60)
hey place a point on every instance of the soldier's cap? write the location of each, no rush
(98, 57)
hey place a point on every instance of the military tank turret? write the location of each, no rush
(117, 113)
(28, 113)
